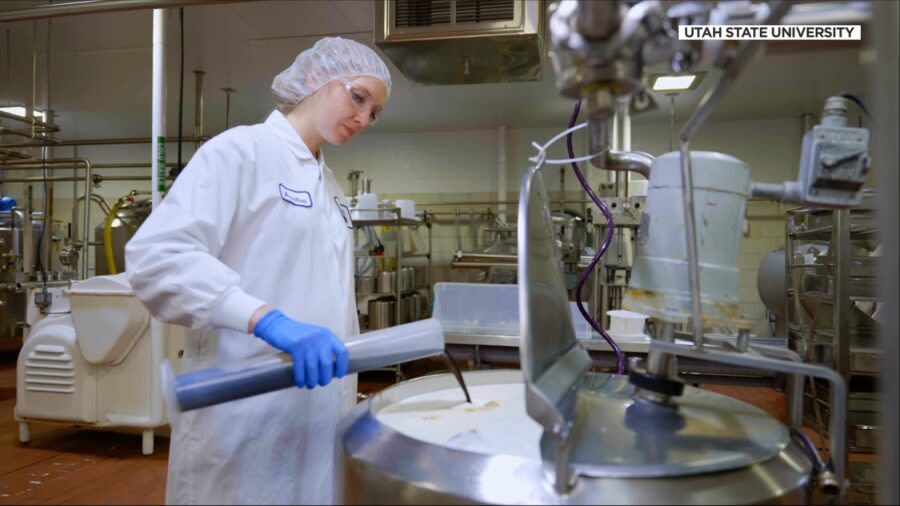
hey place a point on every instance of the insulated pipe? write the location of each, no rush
(742, 59)
(98, 6)
(157, 184)
(158, 111)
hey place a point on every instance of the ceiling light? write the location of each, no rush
(675, 83)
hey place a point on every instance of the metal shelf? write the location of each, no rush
(388, 255)
(390, 294)
(824, 233)
(382, 217)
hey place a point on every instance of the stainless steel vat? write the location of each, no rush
(128, 218)
(379, 465)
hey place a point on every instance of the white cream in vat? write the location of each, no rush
(495, 423)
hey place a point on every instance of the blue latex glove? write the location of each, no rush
(318, 354)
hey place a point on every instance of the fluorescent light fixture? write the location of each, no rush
(19, 110)
(675, 83)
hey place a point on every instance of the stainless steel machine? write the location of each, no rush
(644, 437)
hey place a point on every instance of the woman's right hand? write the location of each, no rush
(319, 356)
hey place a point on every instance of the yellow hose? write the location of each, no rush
(107, 237)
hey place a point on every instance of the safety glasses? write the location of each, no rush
(362, 100)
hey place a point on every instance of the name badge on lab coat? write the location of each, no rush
(295, 197)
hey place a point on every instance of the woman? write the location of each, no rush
(255, 238)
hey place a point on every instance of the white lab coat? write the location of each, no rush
(254, 218)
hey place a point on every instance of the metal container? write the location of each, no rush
(415, 310)
(377, 464)
(128, 219)
(408, 279)
(382, 313)
(365, 285)
(386, 281)
(406, 304)
(403, 279)
(660, 285)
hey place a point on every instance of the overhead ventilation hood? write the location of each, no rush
(435, 42)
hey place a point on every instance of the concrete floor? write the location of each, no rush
(69, 465)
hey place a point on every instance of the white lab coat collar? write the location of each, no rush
(285, 131)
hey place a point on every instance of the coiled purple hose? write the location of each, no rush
(620, 357)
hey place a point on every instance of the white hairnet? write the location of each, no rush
(330, 59)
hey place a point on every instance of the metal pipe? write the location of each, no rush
(630, 161)
(88, 189)
(27, 242)
(99, 6)
(31, 134)
(501, 172)
(36, 179)
(99, 200)
(460, 256)
(13, 154)
(228, 92)
(29, 120)
(742, 59)
(15, 165)
(198, 104)
(100, 142)
(480, 265)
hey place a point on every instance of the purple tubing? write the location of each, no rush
(620, 357)
(809, 448)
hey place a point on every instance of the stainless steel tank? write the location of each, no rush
(128, 218)
(12, 268)
(738, 455)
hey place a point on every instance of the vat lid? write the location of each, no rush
(618, 436)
